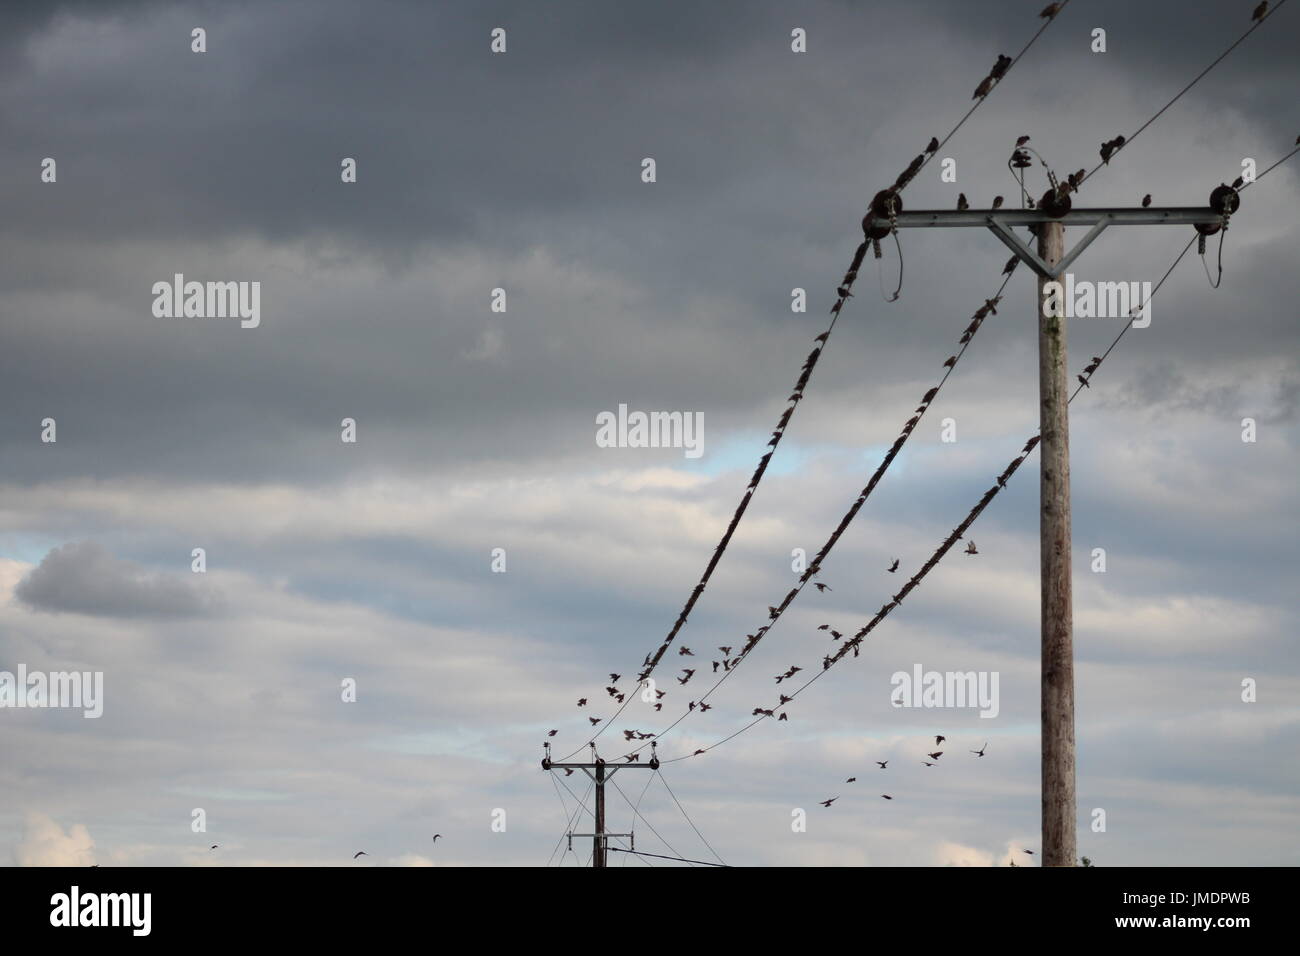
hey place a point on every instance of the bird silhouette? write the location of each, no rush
(689, 672)
(772, 612)
(613, 678)
(882, 763)
(980, 752)
(359, 853)
(1021, 141)
(933, 146)
(704, 707)
(939, 738)
(1083, 381)
(887, 796)
(595, 720)
(985, 87)
(213, 847)
(970, 548)
(822, 587)
(1000, 67)
(1259, 12)
(582, 702)
(997, 202)
(685, 652)
(725, 650)
(893, 567)
(1010, 267)
(827, 803)
(436, 837)
(962, 204)
(1050, 11)
(1146, 200)
(851, 780)
(551, 733)
(1030, 852)
(927, 763)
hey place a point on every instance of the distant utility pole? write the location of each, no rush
(1049, 262)
(600, 772)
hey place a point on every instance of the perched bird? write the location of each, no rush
(970, 548)
(844, 294)
(985, 87)
(1108, 148)
(962, 204)
(697, 753)
(950, 362)
(1146, 200)
(939, 739)
(827, 803)
(1000, 67)
(933, 146)
(1051, 10)
(772, 612)
(882, 763)
(936, 755)
(997, 202)
(1021, 141)
(359, 853)
(1010, 267)
(822, 587)
(980, 752)
(1259, 12)
(893, 567)
(1083, 381)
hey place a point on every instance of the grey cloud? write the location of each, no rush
(84, 578)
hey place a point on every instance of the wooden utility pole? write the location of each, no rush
(1057, 670)
(1049, 262)
(600, 774)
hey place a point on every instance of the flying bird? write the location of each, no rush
(927, 763)
(551, 733)
(685, 652)
(822, 587)
(887, 796)
(882, 763)
(595, 720)
(359, 853)
(936, 755)
(827, 803)
(980, 752)
(851, 780)
(893, 567)
(1030, 852)
(213, 847)
(436, 837)
(970, 548)
(939, 739)
(582, 702)
(613, 678)
(725, 650)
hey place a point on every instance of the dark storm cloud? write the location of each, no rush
(84, 578)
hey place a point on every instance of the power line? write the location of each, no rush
(688, 818)
(659, 856)
(1254, 26)
(844, 293)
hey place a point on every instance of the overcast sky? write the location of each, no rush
(476, 429)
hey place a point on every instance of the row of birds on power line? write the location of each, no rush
(843, 293)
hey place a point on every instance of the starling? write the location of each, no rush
(985, 87)
(893, 567)
(962, 204)
(980, 752)
(970, 548)
(952, 360)
(1021, 141)
(1010, 267)
(882, 763)
(1146, 200)
(1051, 10)
(939, 739)
(822, 587)
(997, 202)
(1000, 67)
(827, 803)
(1259, 12)
(934, 145)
